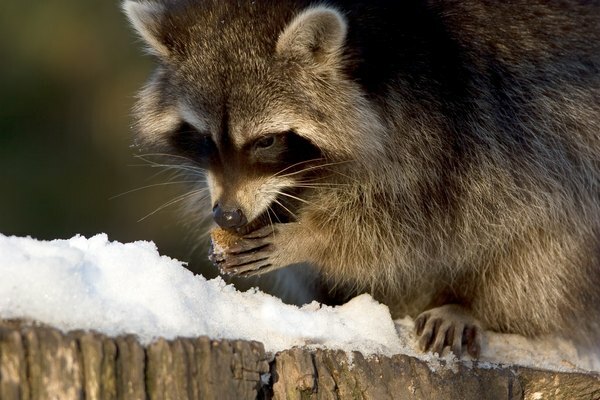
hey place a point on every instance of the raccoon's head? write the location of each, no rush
(258, 94)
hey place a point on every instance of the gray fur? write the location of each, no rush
(474, 181)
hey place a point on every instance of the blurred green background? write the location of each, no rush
(69, 72)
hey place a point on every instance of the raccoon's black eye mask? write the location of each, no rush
(197, 146)
(286, 148)
(276, 150)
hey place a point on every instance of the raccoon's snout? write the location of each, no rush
(229, 219)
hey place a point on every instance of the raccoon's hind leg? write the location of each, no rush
(449, 325)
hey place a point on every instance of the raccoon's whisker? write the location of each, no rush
(204, 235)
(291, 213)
(321, 185)
(143, 155)
(269, 211)
(189, 168)
(173, 201)
(288, 195)
(167, 168)
(149, 186)
(344, 175)
(174, 167)
(316, 178)
(162, 155)
(180, 174)
(145, 158)
(319, 181)
(311, 168)
(295, 165)
(177, 167)
(285, 208)
(175, 173)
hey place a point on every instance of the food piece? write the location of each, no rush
(222, 240)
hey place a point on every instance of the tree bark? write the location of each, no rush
(38, 362)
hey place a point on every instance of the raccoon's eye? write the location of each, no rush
(197, 146)
(265, 143)
(268, 149)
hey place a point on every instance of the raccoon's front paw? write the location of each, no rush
(247, 255)
(450, 325)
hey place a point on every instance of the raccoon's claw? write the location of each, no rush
(242, 263)
(449, 325)
(247, 256)
(248, 245)
(242, 259)
(265, 231)
(249, 269)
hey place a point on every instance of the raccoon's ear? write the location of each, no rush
(146, 18)
(316, 35)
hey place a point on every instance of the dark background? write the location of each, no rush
(69, 72)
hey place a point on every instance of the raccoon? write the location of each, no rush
(442, 155)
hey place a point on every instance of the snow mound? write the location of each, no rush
(129, 288)
(117, 288)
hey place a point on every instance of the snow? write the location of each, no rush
(117, 288)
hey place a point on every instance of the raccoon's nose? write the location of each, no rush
(229, 218)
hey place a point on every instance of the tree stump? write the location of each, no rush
(38, 362)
